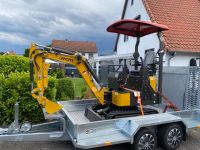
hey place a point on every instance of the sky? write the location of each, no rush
(40, 21)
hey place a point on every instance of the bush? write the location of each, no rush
(83, 91)
(10, 63)
(16, 88)
(58, 73)
(65, 89)
(50, 92)
(2, 79)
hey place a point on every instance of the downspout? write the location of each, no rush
(172, 55)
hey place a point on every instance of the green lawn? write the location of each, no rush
(79, 83)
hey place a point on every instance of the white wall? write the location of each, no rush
(95, 55)
(147, 42)
(180, 59)
(86, 55)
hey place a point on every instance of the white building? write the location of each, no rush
(182, 40)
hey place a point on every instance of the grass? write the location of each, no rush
(79, 84)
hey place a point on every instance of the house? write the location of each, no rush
(182, 40)
(87, 49)
(10, 52)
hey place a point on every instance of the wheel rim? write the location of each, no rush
(147, 142)
(174, 137)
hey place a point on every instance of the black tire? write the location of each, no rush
(143, 139)
(170, 136)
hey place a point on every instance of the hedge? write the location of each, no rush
(16, 88)
(12, 63)
(65, 89)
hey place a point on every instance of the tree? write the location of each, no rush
(26, 52)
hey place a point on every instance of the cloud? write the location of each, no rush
(13, 38)
(23, 21)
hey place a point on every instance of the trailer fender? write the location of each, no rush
(131, 126)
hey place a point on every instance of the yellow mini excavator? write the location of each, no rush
(127, 91)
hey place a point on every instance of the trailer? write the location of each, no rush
(71, 124)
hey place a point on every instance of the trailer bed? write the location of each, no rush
(89, 134)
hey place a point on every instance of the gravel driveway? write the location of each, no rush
(192, 143)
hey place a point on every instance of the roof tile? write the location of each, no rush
(183, 19)
(76, 46)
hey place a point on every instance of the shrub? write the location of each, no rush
(2, 79)
(16, 88)
(65, 89)
(10, 63)
(58, 73)
(50, 92)
(83, 91)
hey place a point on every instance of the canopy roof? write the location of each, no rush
(136, 28)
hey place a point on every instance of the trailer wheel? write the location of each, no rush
(145, 139)
(170, 136)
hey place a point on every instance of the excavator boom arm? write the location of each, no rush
(38, 57)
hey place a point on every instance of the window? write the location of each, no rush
(125, 38)
(132, 2)
(193, 62)
(138, 17)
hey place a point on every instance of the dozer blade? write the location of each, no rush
(52, 107)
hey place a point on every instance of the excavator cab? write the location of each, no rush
(133, 84)
(142, 76)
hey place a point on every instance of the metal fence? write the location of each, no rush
(181, 85)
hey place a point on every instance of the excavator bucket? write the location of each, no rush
(52, 107)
